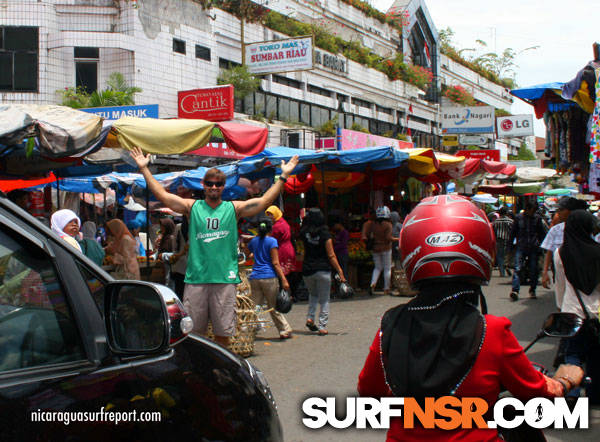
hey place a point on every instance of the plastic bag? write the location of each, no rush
(283, 302)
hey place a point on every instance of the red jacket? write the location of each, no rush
(501, 361)
(287, 255)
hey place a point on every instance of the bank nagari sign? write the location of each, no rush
(332, 62)
(515, 126)
(292, 54)
(468, 120)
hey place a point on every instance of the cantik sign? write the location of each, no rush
(211, 104)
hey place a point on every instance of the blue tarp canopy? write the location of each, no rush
(132, 182)
(378, 158)
(536, 92)
(262, 165)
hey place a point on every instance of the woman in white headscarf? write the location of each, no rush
(65, 223)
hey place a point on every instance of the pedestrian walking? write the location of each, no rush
(282, 233)
(267, 275)
(340, 245)
(528, 232)
(577, 261)
(555, 236)
(319, 259)
(380, 231)
(502, 229)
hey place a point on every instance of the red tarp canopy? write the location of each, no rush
(7, 184)
(245, 139)
(471, 166)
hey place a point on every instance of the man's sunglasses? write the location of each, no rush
(214, 183)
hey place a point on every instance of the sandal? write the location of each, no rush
(311, 325)
(323, 332)
(285, 335)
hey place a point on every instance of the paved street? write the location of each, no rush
(311, 365)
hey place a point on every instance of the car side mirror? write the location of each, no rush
(562, 325)
(143, 318)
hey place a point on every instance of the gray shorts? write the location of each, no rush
(211, 301)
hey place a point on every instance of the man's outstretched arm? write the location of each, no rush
(172, 201)
(254, 206)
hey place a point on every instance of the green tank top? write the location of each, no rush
(213, 241)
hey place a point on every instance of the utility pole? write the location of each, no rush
(242, 40)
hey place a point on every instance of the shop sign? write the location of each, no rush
(334, 63)
(325, 143)
(515, 126)
(503, 148)
(217, 150)
(468, 120)
(450, 140)
(210, 104)
(484, 154)
(353, 139)
(116, 112)
(473, 140)
(292, 54)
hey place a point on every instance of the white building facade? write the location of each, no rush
(166, 46)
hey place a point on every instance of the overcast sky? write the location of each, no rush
(563, 30)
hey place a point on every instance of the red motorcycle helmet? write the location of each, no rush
(447, 236)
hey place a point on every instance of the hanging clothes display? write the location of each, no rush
(548, 142)
(594, 178)
(595, 128)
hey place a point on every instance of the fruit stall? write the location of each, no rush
(360, 264)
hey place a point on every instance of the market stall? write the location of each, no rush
(571, 114)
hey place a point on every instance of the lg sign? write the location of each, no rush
(515, 126)
(507, 125)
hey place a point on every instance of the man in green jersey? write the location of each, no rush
(212, 270)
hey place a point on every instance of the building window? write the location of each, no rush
(19, 59)
(361, 103)
(385, 110)
(179, 46)
(203, 52)
(283, 109)
(319, 90)
(249, 104)
(86, 68)
(418, 119)
(305, 113)
(86, 52)
(227, 64)
(287, 81)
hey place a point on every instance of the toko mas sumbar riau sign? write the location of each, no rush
(293, 54)
(468, 120)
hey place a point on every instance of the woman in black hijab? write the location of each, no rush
(579, 259)
(439, 344)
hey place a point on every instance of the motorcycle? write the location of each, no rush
(557, 325)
